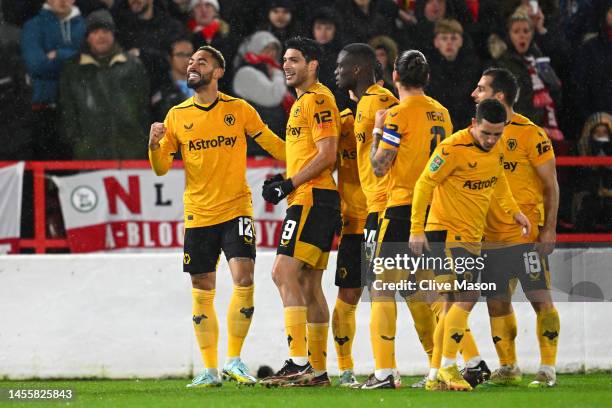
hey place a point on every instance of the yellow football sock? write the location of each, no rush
(317, 345)
(436, 357)
(424, 324)
(239, 315)
(295, 327)
(469, 349)
(382, 329)
(205, 325)
(455, 325)
(437, 308)
(343, 330)
(548, 328)
(503, 332)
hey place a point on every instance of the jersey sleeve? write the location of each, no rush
(323, 117)
(503, 194)
(256, 129)
(438, 168)
(161, 159)
(540, 149)
(392, 133)
(252, 121)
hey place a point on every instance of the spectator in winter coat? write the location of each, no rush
(454, 71)
(104, 97)
(49, 39)
(208, 29)
(260, 80)
(540, 88)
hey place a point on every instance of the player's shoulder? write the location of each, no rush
(436, 105)
(318, 94)
(521, 125)
(460, 139)
(347, 113)
(228, 100)
(187, 103)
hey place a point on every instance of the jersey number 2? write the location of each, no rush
(437, 135)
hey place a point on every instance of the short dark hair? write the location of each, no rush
(413, 69)
(362, 53)
(310, 49)
(216, 54)
(505, 82)
(491, 110)
(175, 41)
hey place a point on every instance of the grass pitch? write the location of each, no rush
(593, 390)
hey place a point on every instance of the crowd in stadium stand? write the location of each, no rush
(84, 79)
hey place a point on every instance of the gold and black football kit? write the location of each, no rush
(459, 181)
(212, 141)
(314, 207)
(510, 255)
(353, 207)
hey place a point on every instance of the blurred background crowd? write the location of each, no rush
(84, 79)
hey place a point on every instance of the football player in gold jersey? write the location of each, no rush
(529, 164)
(400, 151)
(464, 173)
(355, 72)
(210, 130)
(307, 233)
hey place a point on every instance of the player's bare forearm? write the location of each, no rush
(325, 159)
(547, 173)
(381, 159)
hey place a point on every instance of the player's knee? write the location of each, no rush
(203, 281)
(498, 308)
(349, 295)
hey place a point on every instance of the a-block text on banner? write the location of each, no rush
(134, 210)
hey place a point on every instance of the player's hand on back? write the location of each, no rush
(417, 242)
(156, 134)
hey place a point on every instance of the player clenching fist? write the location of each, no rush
(158, 130)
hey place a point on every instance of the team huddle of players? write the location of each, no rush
(406, 185)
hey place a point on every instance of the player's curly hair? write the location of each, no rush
(413, 69)
(216, 54)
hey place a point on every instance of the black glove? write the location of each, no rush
(275, 191)
(277, 177)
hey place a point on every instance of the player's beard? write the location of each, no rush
(205, 80)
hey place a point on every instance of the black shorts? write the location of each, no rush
(452, 262)
(504, 266)
(308, 232)
(391, 241)
(203, 245)
(348, 265)
(371, 227)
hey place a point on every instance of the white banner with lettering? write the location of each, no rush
(11, 186)
(135, 210)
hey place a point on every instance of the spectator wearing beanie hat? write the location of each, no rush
(208, 29)
(279, 20)
(104, 97)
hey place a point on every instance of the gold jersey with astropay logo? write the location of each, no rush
(414, 128)
(314, 116)
(525, 146)
(353, 201)
(212, 141)
(459, 181)
(374, 99)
